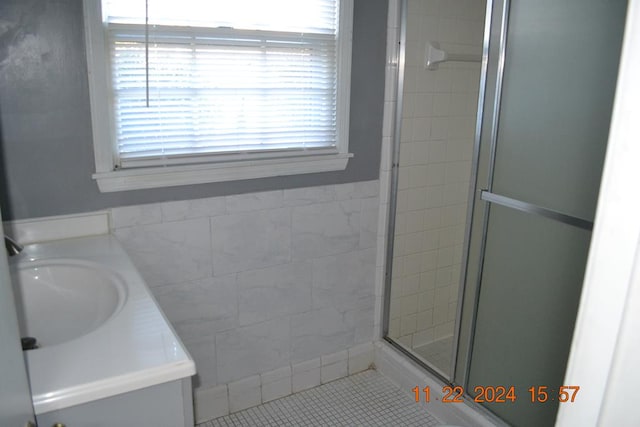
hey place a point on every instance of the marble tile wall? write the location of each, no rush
(259, 282)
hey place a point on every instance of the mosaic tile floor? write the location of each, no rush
(365, 399)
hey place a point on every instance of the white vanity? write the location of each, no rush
(107, 355)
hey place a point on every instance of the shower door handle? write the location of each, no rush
(520, 205)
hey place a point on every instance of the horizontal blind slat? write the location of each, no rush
(218, 90)
(247, 14)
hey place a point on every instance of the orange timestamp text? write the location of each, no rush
(499, 394)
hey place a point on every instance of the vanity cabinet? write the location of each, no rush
(163, 405)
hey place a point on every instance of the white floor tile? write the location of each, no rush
(365, 399)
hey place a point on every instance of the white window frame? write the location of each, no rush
(227, 168)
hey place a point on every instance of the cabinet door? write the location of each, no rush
(16, 408)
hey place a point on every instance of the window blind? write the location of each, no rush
(224, 78)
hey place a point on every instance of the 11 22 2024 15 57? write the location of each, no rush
(500, 394)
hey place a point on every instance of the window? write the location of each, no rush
(215, 90)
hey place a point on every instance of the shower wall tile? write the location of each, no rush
(406, 340)
(408, 324)
(409, 305)
(436, 144)
(235, 276)
(394, 328)
(425, 319)
(440, 313)
(415, 222)
(423, 337)
(444, 329)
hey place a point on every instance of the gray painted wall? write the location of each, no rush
(46, 150)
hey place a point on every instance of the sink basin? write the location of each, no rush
(60, 300)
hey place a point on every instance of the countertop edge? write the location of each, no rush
(113, 386)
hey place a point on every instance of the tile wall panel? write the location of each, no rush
(255, 282)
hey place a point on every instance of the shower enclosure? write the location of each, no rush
(436, 134)
(496, 174)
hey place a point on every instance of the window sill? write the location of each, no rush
(170, 176)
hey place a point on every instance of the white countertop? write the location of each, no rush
(135, 348)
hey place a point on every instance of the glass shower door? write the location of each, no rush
(552, 73)
(431, 177)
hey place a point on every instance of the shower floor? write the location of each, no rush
(364, 399)
(438, 353)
